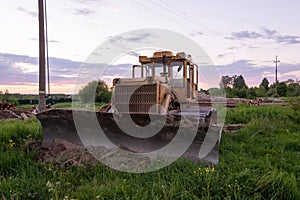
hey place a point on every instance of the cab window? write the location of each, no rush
(177, 74)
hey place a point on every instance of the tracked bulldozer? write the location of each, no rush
(155, 109)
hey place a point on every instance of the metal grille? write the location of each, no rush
(136, 98)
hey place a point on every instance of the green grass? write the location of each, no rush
(62, 105)
(244, 113)
(18, 130)
(65, 105)
(261, 161)
(26, 106)
(77, 104)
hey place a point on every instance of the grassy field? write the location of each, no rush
(65, 105)
(261, 161)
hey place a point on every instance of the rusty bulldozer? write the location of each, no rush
(146, 114)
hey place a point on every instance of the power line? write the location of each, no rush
(166, 16)
(189, 18)
(169, 8)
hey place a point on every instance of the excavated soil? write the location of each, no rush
(63, 154)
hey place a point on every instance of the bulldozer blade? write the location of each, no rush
(82, 128)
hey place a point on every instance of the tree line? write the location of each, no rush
(236, 87)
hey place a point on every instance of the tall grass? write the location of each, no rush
(18, 130)
(244, 113)
(261, 161)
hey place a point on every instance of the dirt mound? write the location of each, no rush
(65, 154)
(62, 154)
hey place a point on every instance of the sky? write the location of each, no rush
(239, 37)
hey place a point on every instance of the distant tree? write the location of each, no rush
(251, 93)
(5, 96)
(261, 91)
(265, 84)
(95, 91)
(293, 90)
(229, 92)
(281, 89)
(272, 85)
(289, 81)
(9, 98)
(242, 93)
(239, 82)
(227, 81)
(271, 92)
(203, 91)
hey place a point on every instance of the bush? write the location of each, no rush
(9, 98)
(95, 91)
(294, 116)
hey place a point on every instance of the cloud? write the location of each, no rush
(224, 54)
(84, 11)
(292, 73)
(233, 48)
(28, 12)
(286, 39)
(18, 69)
(196, 33)
(265, 33)
(252, 47)
(245, 35)
(26, 67)
(138, 37)
(133, 53)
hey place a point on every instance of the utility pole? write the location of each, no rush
(42, 64)
(276, 80)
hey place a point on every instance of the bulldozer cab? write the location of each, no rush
(179, 72)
